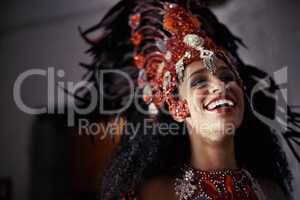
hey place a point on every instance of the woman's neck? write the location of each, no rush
(211, 155)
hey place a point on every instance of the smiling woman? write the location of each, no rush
(185, 62)
(215, 101)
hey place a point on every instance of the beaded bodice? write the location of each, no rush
(224, 184)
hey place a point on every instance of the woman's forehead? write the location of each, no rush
(199, 66)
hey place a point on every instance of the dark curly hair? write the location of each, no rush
(150, 155)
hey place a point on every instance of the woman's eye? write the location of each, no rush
(226, 76)
(199, 82)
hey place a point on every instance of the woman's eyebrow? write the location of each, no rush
(224, 67)
(199, 71)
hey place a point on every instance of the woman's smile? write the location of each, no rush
(220, 105)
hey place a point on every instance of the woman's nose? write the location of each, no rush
(217, 85)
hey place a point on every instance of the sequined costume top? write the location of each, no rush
(225, 184)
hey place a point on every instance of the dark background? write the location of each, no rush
(42, 34)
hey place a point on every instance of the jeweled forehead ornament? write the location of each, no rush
(196, 42)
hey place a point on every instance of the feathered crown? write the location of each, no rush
(167, 37)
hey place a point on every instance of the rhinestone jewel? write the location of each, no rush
(193, 41)
(152, 109)
(167, 80)
(147, 93)
(209, 64)
(184, 189)
(180, 65)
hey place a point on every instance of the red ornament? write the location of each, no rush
(136, 38)
(135, 21)
(139, 61)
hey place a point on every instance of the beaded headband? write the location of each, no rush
(163, 46)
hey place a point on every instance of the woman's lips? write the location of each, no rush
(220, 97)
(222, 110)
(220, 104)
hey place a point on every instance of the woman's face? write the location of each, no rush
(215, 101)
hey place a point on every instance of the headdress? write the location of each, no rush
(162, 53)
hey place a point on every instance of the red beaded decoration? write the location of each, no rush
(134, 20)
(136, 38)
(139, 61)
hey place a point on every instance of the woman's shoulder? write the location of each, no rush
(159, 188)
(271, 189)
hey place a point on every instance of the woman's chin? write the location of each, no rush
(217, 137)
(218, 131)
(225, 121)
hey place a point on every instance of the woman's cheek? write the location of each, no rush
(196, 101)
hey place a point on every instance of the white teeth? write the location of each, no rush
(214, 104)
